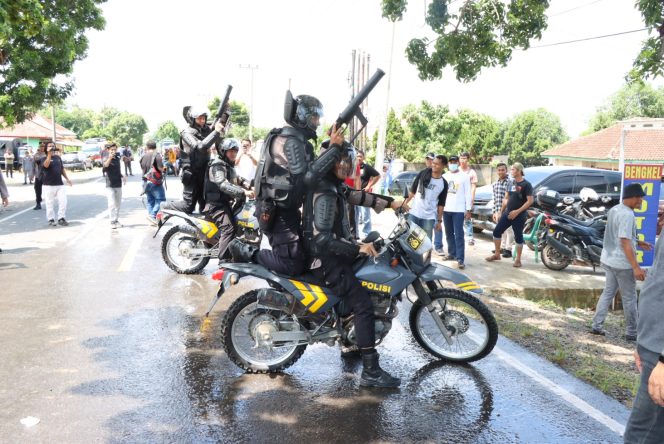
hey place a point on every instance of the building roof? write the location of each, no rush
(644, 140)
(39, 127)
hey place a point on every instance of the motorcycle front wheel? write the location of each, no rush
(241, 325)
(469, 322)
(174, 247)
(553, 259)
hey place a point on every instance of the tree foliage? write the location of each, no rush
(167, 130)
(530, 133)
(475, 34)
(636, 99)
(39, 41)
(127, 129)
(78, 120)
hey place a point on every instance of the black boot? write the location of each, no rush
(37, 207)
(373, 375)
(242, 252)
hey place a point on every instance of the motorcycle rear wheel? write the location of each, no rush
(237, 333)
(471, 324)
(182, 236)
(553, 259)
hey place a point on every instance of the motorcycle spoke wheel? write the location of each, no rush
(176, 242)
(469, 322)
(238, 330)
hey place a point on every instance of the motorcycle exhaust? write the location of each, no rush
(559, 246)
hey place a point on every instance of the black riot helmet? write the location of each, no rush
(303, 112)
(227, 145)
(347, 161)
(191, 113)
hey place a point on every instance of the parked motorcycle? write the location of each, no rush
(267, 330)
(187, 248)
(571, 241)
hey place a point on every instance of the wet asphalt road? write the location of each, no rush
(103, 343)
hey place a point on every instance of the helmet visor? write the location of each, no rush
(348, 160)
(310, 113)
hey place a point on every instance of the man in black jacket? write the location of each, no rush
(330, 244)
(195, 143)
(222, 188)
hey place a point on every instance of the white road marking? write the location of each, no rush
(128, 260)
(574, 400)
(16, 214)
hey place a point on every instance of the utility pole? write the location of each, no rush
(382, 134)
(251, 98)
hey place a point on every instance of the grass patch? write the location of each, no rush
(607, 378)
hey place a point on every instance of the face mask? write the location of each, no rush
(454, 167)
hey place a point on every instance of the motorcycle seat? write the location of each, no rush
(307, 277)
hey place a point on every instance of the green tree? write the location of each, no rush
(530, 133)
(480, 135)
(395, 139)
(239, 111)
(483, 33)
(127, 129)
(431, 128)
(78, 120)
(40, 40)
(168, 130)
(635, 99)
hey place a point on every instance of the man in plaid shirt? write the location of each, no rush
(500, 188)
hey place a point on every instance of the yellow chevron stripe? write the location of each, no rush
(308, 297)
(208, 228)
(322, 298)
(472, 287)
(463, 284)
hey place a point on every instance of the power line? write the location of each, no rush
(574, 9)
(589, 38)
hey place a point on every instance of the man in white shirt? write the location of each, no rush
(464, 166)
(429, 189)
(245, 163)
(457, 209)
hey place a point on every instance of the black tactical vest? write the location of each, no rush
(284, 161)
(341, 220)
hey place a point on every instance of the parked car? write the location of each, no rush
(568, 181)
(92, 152)
(76, 160)
(402, 182)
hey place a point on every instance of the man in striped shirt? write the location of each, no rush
(500, 188)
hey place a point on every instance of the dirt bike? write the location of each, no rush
(267, 330)
(187, 248)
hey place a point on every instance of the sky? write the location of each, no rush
(156, 56)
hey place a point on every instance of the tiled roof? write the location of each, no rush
(640, 144)
(39, 127)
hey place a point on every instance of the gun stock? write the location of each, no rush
(353, 108)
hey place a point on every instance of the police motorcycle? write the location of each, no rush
(266, 330)
(188, 247)
(569, 240)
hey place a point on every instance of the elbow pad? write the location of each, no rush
(326, 242)
(232, 190)
(322, 165)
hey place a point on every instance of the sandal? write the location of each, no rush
(492, 258)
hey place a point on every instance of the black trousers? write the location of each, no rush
(337, 274)
(192, 193)
(38, 190)
(223, 219)
(287, 255)
(127, 166)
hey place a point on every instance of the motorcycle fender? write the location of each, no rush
(438, 272)
(316, 299)
(559, 246)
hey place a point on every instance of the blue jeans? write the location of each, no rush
(468, 227)
(155, 195)
(454, 235)
(438, 238)
(646, 422)
(363, 216)
(425, 224)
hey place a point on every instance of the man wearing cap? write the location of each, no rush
(437, 229)
(619, 261)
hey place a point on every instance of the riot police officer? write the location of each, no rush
(222, 188)
(332, 249)
(286, 168)
(195, 142)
